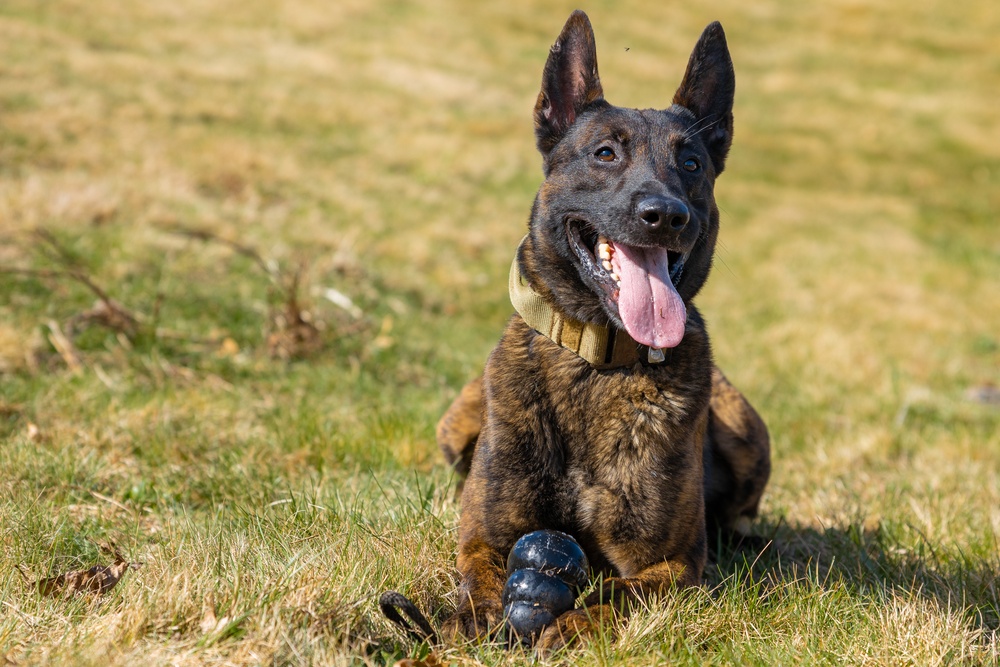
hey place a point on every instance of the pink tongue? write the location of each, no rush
(651, 309)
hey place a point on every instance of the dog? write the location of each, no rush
(600, 412)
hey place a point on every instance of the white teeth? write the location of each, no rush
(604, 253)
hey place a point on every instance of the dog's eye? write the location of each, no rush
(605, 154)
(691, 165)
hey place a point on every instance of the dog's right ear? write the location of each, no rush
(570, 81)
(707, 91)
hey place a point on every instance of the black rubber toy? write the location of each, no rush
(525, 622)
(534, 586)
(552, 552)
(546, 570)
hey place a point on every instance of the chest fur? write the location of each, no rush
(611, 450)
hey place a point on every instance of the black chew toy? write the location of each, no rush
(546, 570)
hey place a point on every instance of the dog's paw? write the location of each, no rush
(470, 622)
(575, 625)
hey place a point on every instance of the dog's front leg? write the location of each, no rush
(479, 610)
(491, 523)
(616, 595)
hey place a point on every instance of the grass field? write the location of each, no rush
(270, 461)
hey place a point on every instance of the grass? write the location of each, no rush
(385, 149)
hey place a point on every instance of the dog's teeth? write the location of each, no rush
(606, 264)
(614, 277)
(604, 251)
(655, 355)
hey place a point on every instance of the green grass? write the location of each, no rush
(386, 149)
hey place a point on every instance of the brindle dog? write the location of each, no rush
(640, 453)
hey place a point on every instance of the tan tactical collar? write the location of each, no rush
(604, 347)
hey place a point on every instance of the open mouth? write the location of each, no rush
(639, 282)
(596, 253)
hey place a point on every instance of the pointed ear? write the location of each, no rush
(570, 81)
(707, 91)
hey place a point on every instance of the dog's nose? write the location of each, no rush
(658, 211)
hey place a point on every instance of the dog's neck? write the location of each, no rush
(602, 346)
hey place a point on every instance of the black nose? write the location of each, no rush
(658, 211)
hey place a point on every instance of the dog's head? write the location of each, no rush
(624, 226)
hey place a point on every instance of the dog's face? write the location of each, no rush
(624, 226)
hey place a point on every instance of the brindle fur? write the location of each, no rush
(634, 462)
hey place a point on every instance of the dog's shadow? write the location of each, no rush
(865, 560)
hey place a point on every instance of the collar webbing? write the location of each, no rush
(602, 347)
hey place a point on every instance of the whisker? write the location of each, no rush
(700, 127)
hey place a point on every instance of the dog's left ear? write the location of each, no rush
(570, 82)
(707, 90)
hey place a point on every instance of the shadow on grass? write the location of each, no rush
(868, 561)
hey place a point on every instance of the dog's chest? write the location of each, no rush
(629, 453)
(612, 457)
